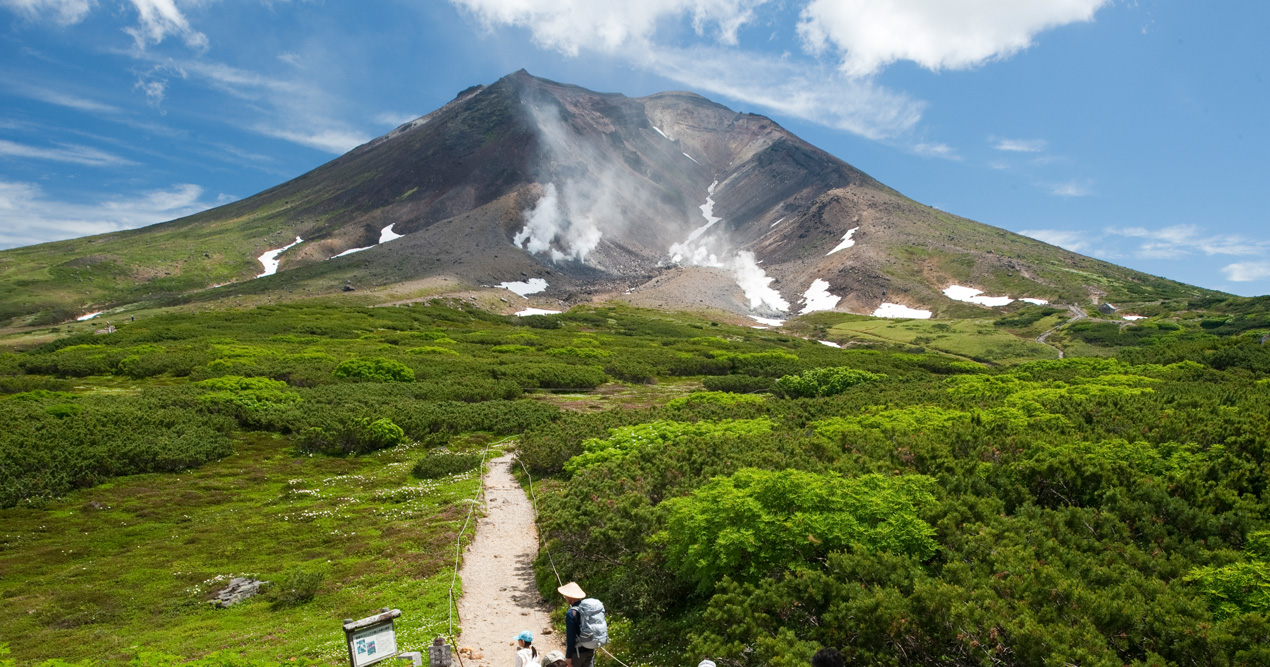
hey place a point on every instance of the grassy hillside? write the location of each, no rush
(909, 506)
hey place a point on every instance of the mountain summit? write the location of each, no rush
(667, 201)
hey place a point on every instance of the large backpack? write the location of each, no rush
(593, 630)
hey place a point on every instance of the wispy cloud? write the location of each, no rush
(1246, 272)
(331, 141)
(28, 216)
(394, 119)
(1076, 188)
(1178, 241)
(69, 153)
(936, 149)
(63, 12)
(936, 34)
(1019, 145)
(61, 98)
(1075, 241)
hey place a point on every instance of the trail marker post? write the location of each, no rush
(374, 639)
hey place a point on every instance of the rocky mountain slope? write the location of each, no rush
(670, 200)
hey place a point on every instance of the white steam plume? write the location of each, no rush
(570, 219)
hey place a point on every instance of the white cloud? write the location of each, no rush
(394, 119)
(60, 98)
(795, 87)
(610, 26)
(27, 216)
(789, 87)
(69, 153)
(331, 141)
(1177, 241)
(936, 149)
(1244, 272)
(1075, 241)
(1081, 188)
(64, 12)
(1020, 145)
(158, 19)
(868, 35)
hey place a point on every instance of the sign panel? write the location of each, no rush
(372, 644)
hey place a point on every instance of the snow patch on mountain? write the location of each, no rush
(817, 297)
(537, 311)
(387, 234)
(1036, 302)
(829, 343)
(847, 242)
(89, 316)
(270, 259)
(525, 287)
(353, 250)
(776, 223)
(691, 158)
(768, 321)
(661, 133)
(971, 295)
(896, 310)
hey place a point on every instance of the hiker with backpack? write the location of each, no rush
(585, 629)
(526, 654)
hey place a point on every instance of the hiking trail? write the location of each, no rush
(499, 596)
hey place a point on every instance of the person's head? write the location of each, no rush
(553, 658)
(706, 663)
(525, 639)
(572, 592)
(827, 657)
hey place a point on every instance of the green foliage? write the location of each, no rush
(704, 398)
(579, 352)
(437, 465)
(823, 382)
(1241, 587)
(357, 436)
(622, 441)
(296, 586)
(375, 369)
(432, 349)
(759, 522)
(511, 349)
(738, 384)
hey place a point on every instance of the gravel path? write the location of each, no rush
(499, 597)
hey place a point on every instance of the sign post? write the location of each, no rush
(373, 639)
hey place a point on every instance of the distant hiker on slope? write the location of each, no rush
(526, 654)
(827, 657)
(585, 629)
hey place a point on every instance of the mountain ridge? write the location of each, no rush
(527, 177)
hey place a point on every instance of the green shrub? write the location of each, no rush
(823, 382)
(432, 349)
(376, 369)
(511, 349)
(296, 586)
(623, 440)
(757, 522)
(437, 465)
(738, 384)
(712, 398)
(342, 437)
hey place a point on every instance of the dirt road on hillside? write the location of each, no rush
(499, 597)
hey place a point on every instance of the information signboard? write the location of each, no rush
(371, 639)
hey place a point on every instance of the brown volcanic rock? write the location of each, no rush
(530, 178)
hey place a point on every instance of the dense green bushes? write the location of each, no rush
(823, 382)
(374, 370)
(55, 443)
(1083, 507)
(437, 464)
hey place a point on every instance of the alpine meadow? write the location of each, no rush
(556, 377)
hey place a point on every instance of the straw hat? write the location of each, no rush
(572, 590)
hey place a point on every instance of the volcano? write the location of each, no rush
(532, 188)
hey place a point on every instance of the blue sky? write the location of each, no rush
(1133, 131)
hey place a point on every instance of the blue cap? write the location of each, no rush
(526, 636)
